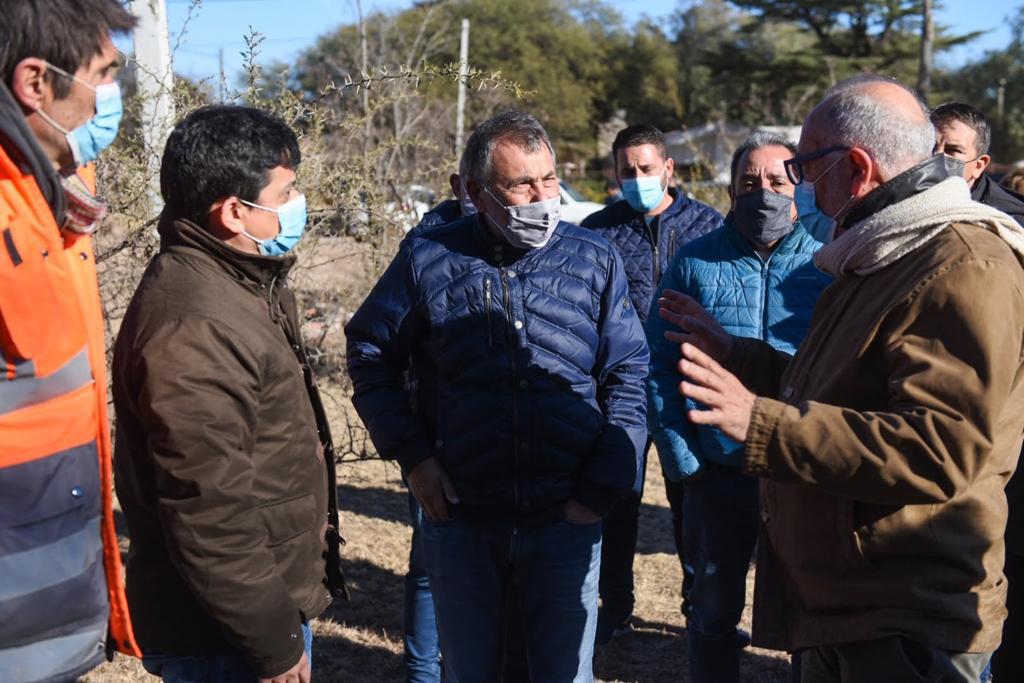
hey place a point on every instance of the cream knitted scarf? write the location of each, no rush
(890, 234)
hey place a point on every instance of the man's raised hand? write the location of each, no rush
(729, 405)
(696, 326)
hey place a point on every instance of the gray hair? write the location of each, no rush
(757, 140)
(855, 118)
(516, 127)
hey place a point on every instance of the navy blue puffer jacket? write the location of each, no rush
(529, 368)
(447, 211)
(771, 300)
(647, 250)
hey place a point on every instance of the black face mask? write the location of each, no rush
(955, 167)
(763, 216)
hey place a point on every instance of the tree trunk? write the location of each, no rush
(924, 74)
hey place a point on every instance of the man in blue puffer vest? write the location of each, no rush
(530, 411)
(647, 227)
(756, 276)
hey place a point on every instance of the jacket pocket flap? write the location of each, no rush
(289, 518)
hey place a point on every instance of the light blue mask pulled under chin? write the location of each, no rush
(643, 193)
(291, 218)
(99, 132)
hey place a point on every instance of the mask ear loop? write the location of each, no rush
(76, 153)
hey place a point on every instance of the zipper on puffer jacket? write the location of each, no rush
(487, 312)
(507, 295)
(654, 238)
(764, 296)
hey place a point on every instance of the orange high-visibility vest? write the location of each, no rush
(59, 558)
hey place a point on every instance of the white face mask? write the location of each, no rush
(529, 226)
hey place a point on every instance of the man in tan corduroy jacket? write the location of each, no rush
(897, 424)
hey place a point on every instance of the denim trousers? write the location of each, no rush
(618, 548)
(720, 525)
(481, 571)
(226, 668)
(675, 492)
(422, 655)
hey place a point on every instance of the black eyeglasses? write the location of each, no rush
(795, 166)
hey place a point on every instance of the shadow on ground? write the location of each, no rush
(632, 658)
(374, 502)
(655, 530)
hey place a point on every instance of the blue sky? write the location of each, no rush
(291, 25)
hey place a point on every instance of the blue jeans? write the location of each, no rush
(552, 572)
(228, 668)
(720, 524)
(422, 662)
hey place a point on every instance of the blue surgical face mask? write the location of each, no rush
(95, 135)
(812, 217)
(644, 193)
(291, 218)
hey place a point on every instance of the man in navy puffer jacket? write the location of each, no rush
(530, 413)
(757, 277)
(647, 227)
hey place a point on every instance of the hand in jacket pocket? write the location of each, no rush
(433, 489)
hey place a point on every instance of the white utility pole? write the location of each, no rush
(155, 81)
(460, 112)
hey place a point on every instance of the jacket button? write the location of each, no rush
(518, 324)
(83, 256)
(76, 492)
(511, 273)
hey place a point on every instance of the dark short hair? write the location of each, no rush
(66, 33)
(222, 151)
(517, 127)
(970, 117)
(756, 140)
(634, 136)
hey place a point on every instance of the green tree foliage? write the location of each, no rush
(742, 68)
(576, 63)
(979, 83)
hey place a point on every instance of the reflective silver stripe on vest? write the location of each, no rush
(22, 368)
(63, 560)
(49, 659)
(29, 391)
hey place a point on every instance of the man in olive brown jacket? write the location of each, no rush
(224, 464)
(898, 421)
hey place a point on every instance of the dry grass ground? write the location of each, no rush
(360, 640)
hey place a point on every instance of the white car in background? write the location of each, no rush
(574, 207)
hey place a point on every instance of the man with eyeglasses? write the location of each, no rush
(897, 423)
(962, 133)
